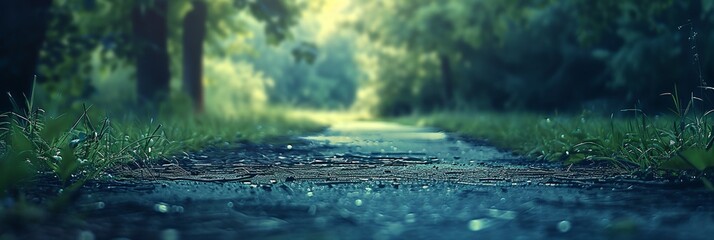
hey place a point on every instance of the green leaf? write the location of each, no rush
(676, 163)
(54, 128)
(13, 167)
(68, 164)
(699, 159)
(20, 144)
(577, 157)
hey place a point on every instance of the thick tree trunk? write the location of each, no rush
(194, 32)
(22, 26)
(152, 60)
(447, 80)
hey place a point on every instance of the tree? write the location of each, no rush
(540, 55)
(152, 58)
(194, 33)
(22, 27)
(143, 31)
(444, 30)
(277, 15)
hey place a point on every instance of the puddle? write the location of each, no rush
(391, 139)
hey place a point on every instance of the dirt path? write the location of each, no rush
(372, 180)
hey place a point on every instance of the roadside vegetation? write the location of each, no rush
(78, 146)
(674, 145)
(67, 150)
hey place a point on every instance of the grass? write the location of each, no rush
(647, 146)
(74, 148)
(71, 148)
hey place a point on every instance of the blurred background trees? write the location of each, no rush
(387, 57)
(94, 37)
(535, 55)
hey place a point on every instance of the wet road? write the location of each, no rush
(411, 204)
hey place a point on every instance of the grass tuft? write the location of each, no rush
(67, 150)
(677, 144)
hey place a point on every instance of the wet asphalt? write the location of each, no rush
(383, 208)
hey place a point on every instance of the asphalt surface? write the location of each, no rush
(373, 180)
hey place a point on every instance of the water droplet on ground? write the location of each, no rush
(501, 214)
(478, 224)
(177, 209)
(564, 226)
(410, 218)
(161, 207)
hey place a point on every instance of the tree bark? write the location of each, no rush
(23, 25)
(152, 60)
(194, 32)
(447, 80)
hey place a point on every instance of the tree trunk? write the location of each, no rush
(447, 80)
(152, 60)
(22, 26)
(194, 32)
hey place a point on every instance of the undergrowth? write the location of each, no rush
(677, 144)
(648, 146)
(69, 149)
(74, 149)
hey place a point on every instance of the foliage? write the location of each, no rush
(430, 29)
(599, 19)
(645, 145)
(308, 72)
(535, 55)
(76, 150)
(231, 87)
(82, 33)
(72, 150)
(62, 152)
(402, 97)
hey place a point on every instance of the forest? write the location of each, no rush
(386, 57)
(94, 91)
